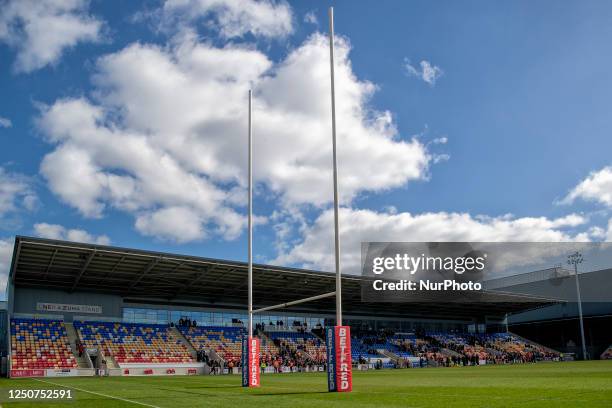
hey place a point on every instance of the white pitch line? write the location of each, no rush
(98, 393)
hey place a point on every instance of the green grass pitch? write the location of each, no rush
(576, 384)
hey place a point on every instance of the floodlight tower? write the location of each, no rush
(575, 259)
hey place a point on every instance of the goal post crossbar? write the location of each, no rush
(294, 302)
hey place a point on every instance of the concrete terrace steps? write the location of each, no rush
(389, 354)
(267, 341)
(110, 361)
(72, 337)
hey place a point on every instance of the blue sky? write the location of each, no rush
(474, 120)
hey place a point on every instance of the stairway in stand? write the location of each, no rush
(72, 336)
(177, 333)
(267, 345)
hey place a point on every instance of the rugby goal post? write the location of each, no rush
(338, 337)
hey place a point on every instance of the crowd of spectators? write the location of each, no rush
(414, 350)
(506, 348)
(292, 356)
(187, 323)
(447, 349)
(499, 348)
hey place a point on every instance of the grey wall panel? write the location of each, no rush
(26, 299)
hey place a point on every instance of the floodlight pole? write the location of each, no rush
(335, 165)
(250, 233)
(575, 259)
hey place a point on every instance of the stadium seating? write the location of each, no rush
(301, 341)
(398, 344)
(510, 347)
(268, 348)
(133, 342)
(359, 349)
(413, 346)
(225, 341)
(40, 344)
(498, 347)
(463, 344)
(395, 343)
(450, 339)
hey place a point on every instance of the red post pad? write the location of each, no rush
(339, 367)
(250, 362)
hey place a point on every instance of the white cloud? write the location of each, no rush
(596, 233)
(180, 224)
(41, 30)
(440, 140)
(438, 158)
(597, 187)
(16, 193)
(315, 249)
(5, 122)
(426, 72)
(609, 235)
(232, 18)
(165, 138)
(311, 18)
(55, 231)
(6, 257)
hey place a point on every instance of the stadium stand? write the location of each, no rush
(506, 347)
(493, 347)
(40, 344)
(225, 341)
(461, 344)
(128, 348)
(134, 342)
(303, 341)
(398, 345)
(363, 349)
(268, 348)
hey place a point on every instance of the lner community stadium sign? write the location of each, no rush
(63, 307)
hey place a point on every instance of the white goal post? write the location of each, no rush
(337, 338)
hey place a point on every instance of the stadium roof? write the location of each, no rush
(162, 278)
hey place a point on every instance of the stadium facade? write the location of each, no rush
(91, 291)
(558, 325)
